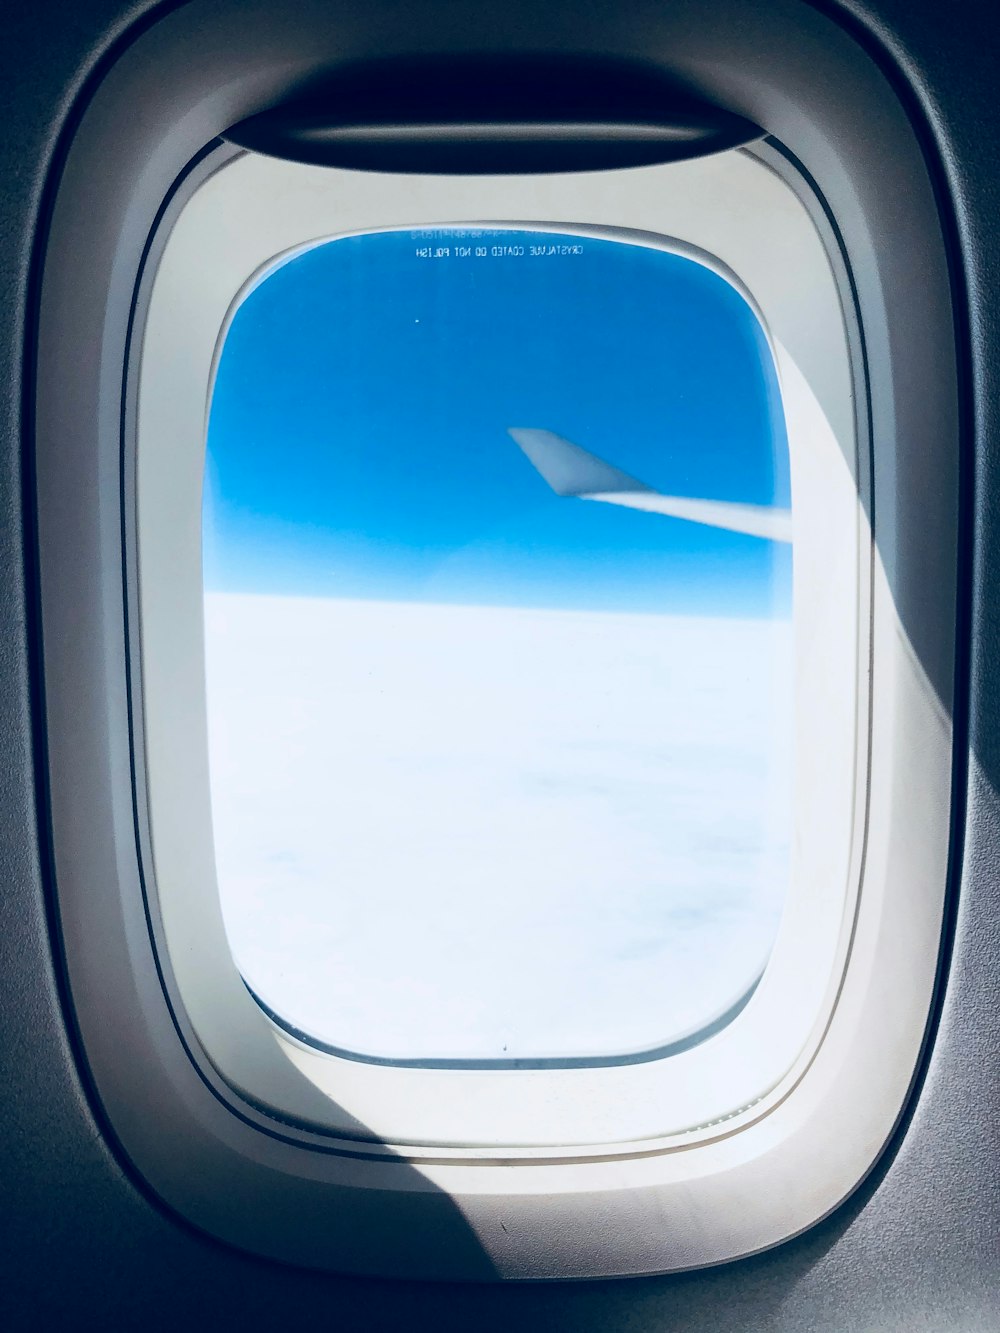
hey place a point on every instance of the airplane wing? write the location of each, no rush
(572, 471)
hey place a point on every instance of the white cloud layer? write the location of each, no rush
(448, 831)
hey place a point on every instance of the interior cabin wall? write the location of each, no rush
(914, 1248)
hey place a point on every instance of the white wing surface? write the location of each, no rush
(572, 471)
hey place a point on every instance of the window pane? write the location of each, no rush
(498, 644)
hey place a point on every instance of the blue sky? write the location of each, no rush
(358, 445)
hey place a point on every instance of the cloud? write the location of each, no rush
(451, 831)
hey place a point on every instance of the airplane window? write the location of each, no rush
(486, 730)
(497, 569)
(516, 780)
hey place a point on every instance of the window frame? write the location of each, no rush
(589, 1108)
(240, 1172)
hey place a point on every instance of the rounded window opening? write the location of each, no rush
(499, 653)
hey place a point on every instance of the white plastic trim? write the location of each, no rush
(245, 221)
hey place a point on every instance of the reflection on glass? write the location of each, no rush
(497, 606)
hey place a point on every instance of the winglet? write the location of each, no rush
(567, 468)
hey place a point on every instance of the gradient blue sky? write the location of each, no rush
(357, 441)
